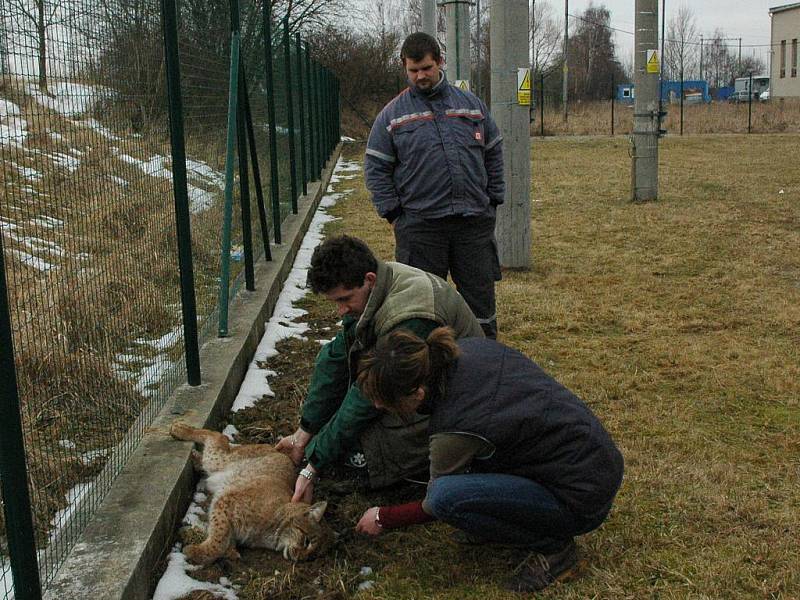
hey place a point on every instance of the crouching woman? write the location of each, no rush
(515, 457)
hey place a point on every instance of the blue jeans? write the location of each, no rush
(507, 509)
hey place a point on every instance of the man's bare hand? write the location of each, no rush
(304, 487)
(368, 524)
(294, 445)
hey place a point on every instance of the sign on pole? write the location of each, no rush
(524, 86)
(462, 84)
(653, 65)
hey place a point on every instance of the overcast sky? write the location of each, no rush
(748, 19)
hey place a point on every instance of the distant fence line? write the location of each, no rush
(613, 116)
(141, 147)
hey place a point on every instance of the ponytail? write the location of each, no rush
(442, 352)
(401, 362)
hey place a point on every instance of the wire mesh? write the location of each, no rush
(88, 226)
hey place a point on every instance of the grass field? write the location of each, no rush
(678, 322)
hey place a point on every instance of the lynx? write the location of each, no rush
(252, 487)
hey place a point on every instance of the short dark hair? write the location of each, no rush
(418, 45)
(340, 261)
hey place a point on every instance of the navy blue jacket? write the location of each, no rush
(538, 428)
(435, 155)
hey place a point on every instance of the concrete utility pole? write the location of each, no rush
(429, 17)
(458, 59)
(566, 62)
(644, 169)
(509, 34)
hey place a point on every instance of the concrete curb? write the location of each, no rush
(129, 534)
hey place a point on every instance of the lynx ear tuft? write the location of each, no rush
(317, 510)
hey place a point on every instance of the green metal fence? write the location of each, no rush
(150, 152)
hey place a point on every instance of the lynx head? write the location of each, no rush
(304, 534)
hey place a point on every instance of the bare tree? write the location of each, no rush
(545, 34)
(34, 19)
(681, 44)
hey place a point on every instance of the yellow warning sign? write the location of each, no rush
(462, 84)
(653, 65)
(524, 86)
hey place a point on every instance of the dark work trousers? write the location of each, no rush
(465, 248)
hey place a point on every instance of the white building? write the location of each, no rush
(784, 61)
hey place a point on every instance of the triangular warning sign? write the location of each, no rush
(653, 60)
(525, 86)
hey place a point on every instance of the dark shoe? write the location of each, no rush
(538, 570)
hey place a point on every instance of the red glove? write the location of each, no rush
(400, 515)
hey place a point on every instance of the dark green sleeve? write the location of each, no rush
(328, 384)
(343, 429)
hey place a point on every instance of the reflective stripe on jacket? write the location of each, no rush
(435, 155)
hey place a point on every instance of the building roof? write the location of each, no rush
(777, 9)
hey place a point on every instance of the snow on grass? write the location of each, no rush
(199, 199)
(32, 261)
(13, 128)
(69, 99)
(47, 222)
(198, 169)
(118, 180)
(176, 581)
(98, 127)
(65, 161)
(29, 173)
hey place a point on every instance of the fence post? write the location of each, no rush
(244, 184)
(303, 149)
(169, 14)
(225, 254)
(13, 473)
(320, 117)
(704, 99)
(541, 107)
(312, 121)
(274, 180)
(612, 104)
(287, 58)
(251, 138)
(750, 105)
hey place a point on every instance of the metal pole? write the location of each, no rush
(274, 180)
(227, 217)
(244, 187)
(457, 13)
(645, 112)
(702, 77)
(564, 94)
(661, 66)
(509, 34)
(612, 104)
(251, 139)
(740, 55)
(287, 57)
(429, 17)
(541, 106)
(704, 99)
(313, 126)
(301, 104)
(180, 192)
(750, 105)
(13, 472)
(478, 32)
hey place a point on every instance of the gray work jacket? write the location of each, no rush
(435, 156)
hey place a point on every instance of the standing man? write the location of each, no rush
(434, 166)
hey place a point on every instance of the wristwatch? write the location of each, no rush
(309, 474)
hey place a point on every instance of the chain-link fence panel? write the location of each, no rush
(88, 224)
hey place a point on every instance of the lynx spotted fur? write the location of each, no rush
(252, 487)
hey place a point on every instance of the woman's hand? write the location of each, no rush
(368, 524)
(294, 445)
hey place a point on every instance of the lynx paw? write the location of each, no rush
(180, 431)
(197, 555)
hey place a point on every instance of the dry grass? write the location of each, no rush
(115, 281)
(678, 322)
(594, 118)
